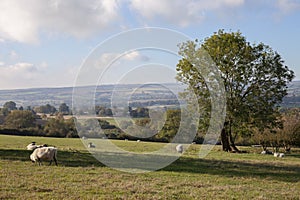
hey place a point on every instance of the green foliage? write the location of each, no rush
(124, 124)
(10, 105)
(19, 119)
(140, 112)
(284, 137)
(4, 111)
(57, 127)
(254, 76)
(171, 126)
(46, 109)
(103, 111)
(63, 108)
(142, 122)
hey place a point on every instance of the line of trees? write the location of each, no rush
(26, 122)
(20, 121)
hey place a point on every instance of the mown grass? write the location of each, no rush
(80, 176)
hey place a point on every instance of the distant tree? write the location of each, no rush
(103, 111)
(254, 76)
(105, 124)
(290, 132)
(139, 112)
(10, 105)
(4, 111)
(124, 124)
(57, 127)
(19, 119)
(28, 108)
(63, 108)
(46, 109)
(142, 122)
(171, 126)
(21, 108)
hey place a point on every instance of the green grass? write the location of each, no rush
(80, 176)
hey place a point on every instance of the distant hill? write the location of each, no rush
(146, 95)
(142, 94)
(293, 97)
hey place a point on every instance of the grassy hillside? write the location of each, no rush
(79, 176)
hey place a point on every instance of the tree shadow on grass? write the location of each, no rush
(290, 173)
(65, 158)
(294, 155)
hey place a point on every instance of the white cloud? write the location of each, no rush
(20, 75)
(135, 55)
(180, 12)
(118, 58)
(28, 75)
(13, 55)
(14, 76)
(287, 6)
(22, 68)
(23, 21)
(1, 63)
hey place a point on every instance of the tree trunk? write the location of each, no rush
(225, 141)
(232, 144)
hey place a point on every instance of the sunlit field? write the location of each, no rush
(79, 175)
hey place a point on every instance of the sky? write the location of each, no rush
(47, 43)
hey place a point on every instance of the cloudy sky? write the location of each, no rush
(44, 43)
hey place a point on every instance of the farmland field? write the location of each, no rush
(79, 176)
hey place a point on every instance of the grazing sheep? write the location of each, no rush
(138, 140)
(84, 138)
(91, 145)
(179, 148)
(276, 154)
(266, 152)
(32, 146)
(281, 155)
(44, 153)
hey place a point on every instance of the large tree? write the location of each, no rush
(64, 108)
(46, 109)
(10, 105)
(19, 119)
(254, 76)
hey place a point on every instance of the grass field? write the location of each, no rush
(79, 176)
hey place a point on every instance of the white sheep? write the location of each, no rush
(91, 145)
(276, 154)
(44, 153)
(32, 146)
(266, 152)
(281, 155)
(179, 148)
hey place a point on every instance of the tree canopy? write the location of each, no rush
(19, 119)
(10, 105)
(64, 108)
(254, 76)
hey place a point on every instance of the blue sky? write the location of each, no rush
(44, 43)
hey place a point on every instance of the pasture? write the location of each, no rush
(80, 176)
